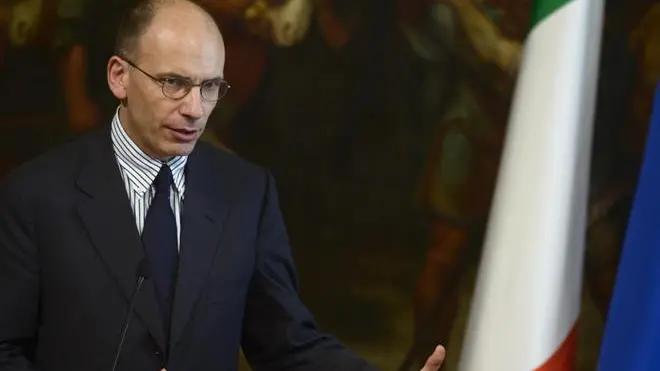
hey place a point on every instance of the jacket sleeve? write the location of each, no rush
(279, 332)
(19, 281)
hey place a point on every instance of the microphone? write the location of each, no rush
(142, 273)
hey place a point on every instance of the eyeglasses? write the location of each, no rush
(176, 87)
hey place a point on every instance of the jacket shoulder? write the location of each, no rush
(50, 167)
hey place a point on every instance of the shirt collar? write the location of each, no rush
(141, 169)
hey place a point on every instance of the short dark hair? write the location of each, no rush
(133, 25)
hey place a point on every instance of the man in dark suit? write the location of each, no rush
(141, 204)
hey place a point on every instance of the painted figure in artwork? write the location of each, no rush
(464, 156)
(249, 28)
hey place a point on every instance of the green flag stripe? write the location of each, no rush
(543, 8)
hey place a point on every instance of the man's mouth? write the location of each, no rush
(184, 135)
(185, 131)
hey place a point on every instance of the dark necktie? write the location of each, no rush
(159, 237)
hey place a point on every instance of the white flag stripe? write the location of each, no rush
(527, 297)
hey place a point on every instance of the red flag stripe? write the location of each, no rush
(564, 358)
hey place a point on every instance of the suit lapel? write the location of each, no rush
(106, 213)
(201, 226)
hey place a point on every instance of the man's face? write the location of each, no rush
(175, 51)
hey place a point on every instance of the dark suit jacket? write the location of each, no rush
(69, 251)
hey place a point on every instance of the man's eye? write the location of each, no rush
(174, 82)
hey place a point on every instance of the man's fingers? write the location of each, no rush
(434, 362)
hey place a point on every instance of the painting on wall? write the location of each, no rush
(383, 124)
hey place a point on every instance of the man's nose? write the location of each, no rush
(192, 104)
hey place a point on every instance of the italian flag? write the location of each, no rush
(527, 299)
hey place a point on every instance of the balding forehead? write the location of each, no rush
(147, 16)
(182, 41)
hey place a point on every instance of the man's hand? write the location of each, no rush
(434, 362)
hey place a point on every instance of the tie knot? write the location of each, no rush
(163, 180)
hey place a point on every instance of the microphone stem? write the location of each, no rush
(128, 321)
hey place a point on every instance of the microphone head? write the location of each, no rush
(143, 268)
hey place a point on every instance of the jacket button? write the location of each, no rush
(157, 353)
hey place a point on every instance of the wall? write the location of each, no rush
(383, 126)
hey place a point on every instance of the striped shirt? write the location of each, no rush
(138, 170)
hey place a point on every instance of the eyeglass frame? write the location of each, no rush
(190, 85)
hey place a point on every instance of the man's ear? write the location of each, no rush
(118, 77)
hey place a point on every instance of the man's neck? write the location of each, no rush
(128, 125)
